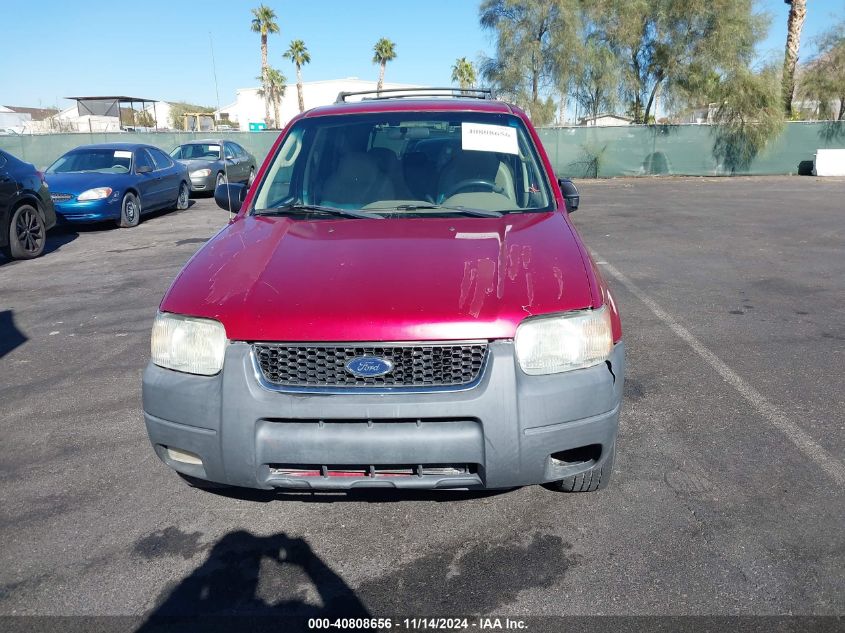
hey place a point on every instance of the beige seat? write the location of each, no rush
(357, 182)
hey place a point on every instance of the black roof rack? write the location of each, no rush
(393, 93)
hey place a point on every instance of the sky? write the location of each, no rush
(161, 49)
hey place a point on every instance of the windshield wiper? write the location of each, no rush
(481, 213)
(347, 213)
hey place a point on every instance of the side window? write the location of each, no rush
(161, 160)
(230, 151)
(240, 151)
(142, 158)
(277, 187)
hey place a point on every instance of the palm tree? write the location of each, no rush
(797, 13)
(276, 84)
(384, 51)
(264, 22)
(299, 55)
(463, 73)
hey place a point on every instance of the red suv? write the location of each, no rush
(400, 301)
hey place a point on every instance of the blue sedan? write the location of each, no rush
(116, 181)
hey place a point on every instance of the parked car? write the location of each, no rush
(214, 162)
(376, 317)
(116, 181)
(26, 211)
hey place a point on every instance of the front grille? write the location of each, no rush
(421, 365)
(60, 197)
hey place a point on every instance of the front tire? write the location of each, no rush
(221, 180)
(130, 211)
(183, 200)
(27, 234)
(597, 478)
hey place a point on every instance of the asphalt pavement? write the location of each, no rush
(727, 498)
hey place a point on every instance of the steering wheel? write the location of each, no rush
(472, 182)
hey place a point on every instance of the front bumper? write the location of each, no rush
(506, 429)
(73, 211)
(204, 183)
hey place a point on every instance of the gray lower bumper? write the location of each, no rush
(506, 428)
(204, 183)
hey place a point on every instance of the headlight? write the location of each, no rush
(201, 173)
(195, 346)
(552, 344)
(94, 194)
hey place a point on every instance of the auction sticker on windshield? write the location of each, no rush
(483, 137)
(119, 153)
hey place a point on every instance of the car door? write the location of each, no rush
(170, 178)
(8, 191)
(246, 160)
(148, 185)
(233, 163)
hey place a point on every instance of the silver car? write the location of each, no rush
(214, 162)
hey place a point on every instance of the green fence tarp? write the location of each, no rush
(579, 152)
(42, 149)
(686, 150)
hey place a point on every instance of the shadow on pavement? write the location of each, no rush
(10, 336)
(56, 238)
(268, 582)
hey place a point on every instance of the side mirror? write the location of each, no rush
(230, 197)
(570, 194)
(143, 169)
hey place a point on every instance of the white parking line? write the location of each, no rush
(806, 444)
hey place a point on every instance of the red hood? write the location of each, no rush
(281, 279)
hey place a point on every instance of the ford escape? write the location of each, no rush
(400, 300)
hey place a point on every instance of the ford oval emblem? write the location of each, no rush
(368, 366)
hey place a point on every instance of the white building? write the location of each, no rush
(249, 105)
(70, 120)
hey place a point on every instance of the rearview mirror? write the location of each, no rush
(143, 169)
(230, 196)
(570, 194)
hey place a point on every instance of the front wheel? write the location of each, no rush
(184, 197)
(27, 234)
(221, 180)
(130, 211)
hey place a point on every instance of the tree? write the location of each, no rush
(823, 79)
(672, 46)
(750, 114)
(384, 51)
(463, 73)
(264, 23)
(299, 55)
(794, 24)
(596, 81)
(532, 56)
(276, 86)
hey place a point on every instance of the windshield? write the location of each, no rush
(409, 164)
(105, 161)
(197, 150)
